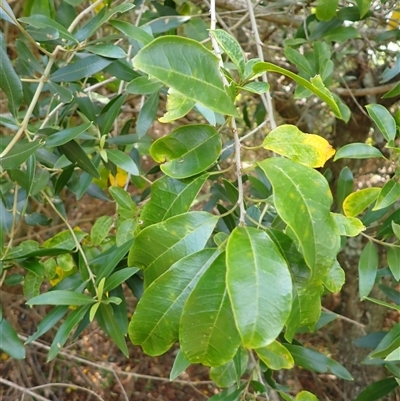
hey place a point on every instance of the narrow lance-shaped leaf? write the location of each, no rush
(66, 135)
(303, 200)
(123, 161)
(60, 297)
(259, 286)
(367, 268)
(188, 67)
(9, 341)
(19, 154)
(207, 333)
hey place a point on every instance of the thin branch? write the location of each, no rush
(376, 90)
(69, 385)
(373, 239)
(346, 319)
(23, 390)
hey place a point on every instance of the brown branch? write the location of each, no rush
(376, 90)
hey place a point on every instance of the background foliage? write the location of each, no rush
(239, 212)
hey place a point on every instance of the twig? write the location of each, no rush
(379, 241)
(346, 319)
(266, 99)
(68, 385)
(376, 90)
(23, 390)
(122, 387)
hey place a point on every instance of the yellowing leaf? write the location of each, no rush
(356, 202)
(120, 178)
(99, 7)
(394, 20)
(307, 149)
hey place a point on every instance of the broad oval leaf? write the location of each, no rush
(143, 86)
(356, 202)
(187, 151)
(348, 226)
(308, 149)
(207, 332)
(170, 197)
(303, 200)
(335, 278)
(188, 67)
(357, 151)
(367, 268)
(82, 68)
(326, 9)
(383, 119)
(155, 323)
(275, 356)
(259, 286)
(159, 246)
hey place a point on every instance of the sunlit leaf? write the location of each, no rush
(178, 106)
(389, 194)
(275, 356)
(383, 119)
(357, 151)
(348, 226)
(326, 9)
(356, 202)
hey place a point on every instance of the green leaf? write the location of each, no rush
(363, 6)
(308, 211)
(393, 259)
(75, 153)
(123, 161)
(396, 229)
(357, 151)
(166, 23)
(6, 13)
(147, 115)
(82, 68)
(306, 396)
(300, 61)
(122, 198)
(189, 68)
(107, 50)
(378, 390)
(155, 323)
(316, 86)
(356, 202)
(170, 241)
(10, 83)
(178, 106)
(60, 297)
(118, 278)
(32, 283)
(132, 31)
(170, 197)
(143, 86)
(326, 9)
(19, 154)
(382, 303)
(112, 328)
(257, 87)
(335, 278)
(63, 240)
(308, 149)
(100, 229)
(367, 268)
(110, 113)
(259, 286)
(388, 343)
(9, 341)
(383, 119)
(179, 366)
(395, 91)
(348, 226)
(188, 150)
(207, 332)
(389, 194)
(231, 47)
(275, 356)
(317, 362)
(125, 231)
(341, 34)
(66, 135)
(43, 22)
(64, 331)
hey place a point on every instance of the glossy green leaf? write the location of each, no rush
(348, 226)
(125, 231)
(75, 153)
(367, 268)
(82, 68)
(299, 60)
(308, 211)
(356, 202)
(187, 151)
(132, 31)
(155, 323)
(10, 83)
(316, 86)
(316, 361)
(178, 106)
(357, 151)
(170, 197)
(122, 198)
(363, 6)
(189, 68)
(388, 195)
(207, 332)
(388, 343)
(335, 278)
(254, 267)
(383, 119)
(344, 186)
(110, 113)
(123, 161)
(378, 390)
(396, 229)
(306, 396)
(147, 115)
(170, 241)
(341, 34)
(63, 240)
(326, 9)
(275, 356)
(60, 297)
(393, 259)
(19, 154)
(165, 23)
(9, 341)
(66, 135)
(231, 47)
(100, 229)
(106, 50)
(395, 91)
(65, 330)
(308, 149)
(42, 22)
(143, 86)
(179, 366)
